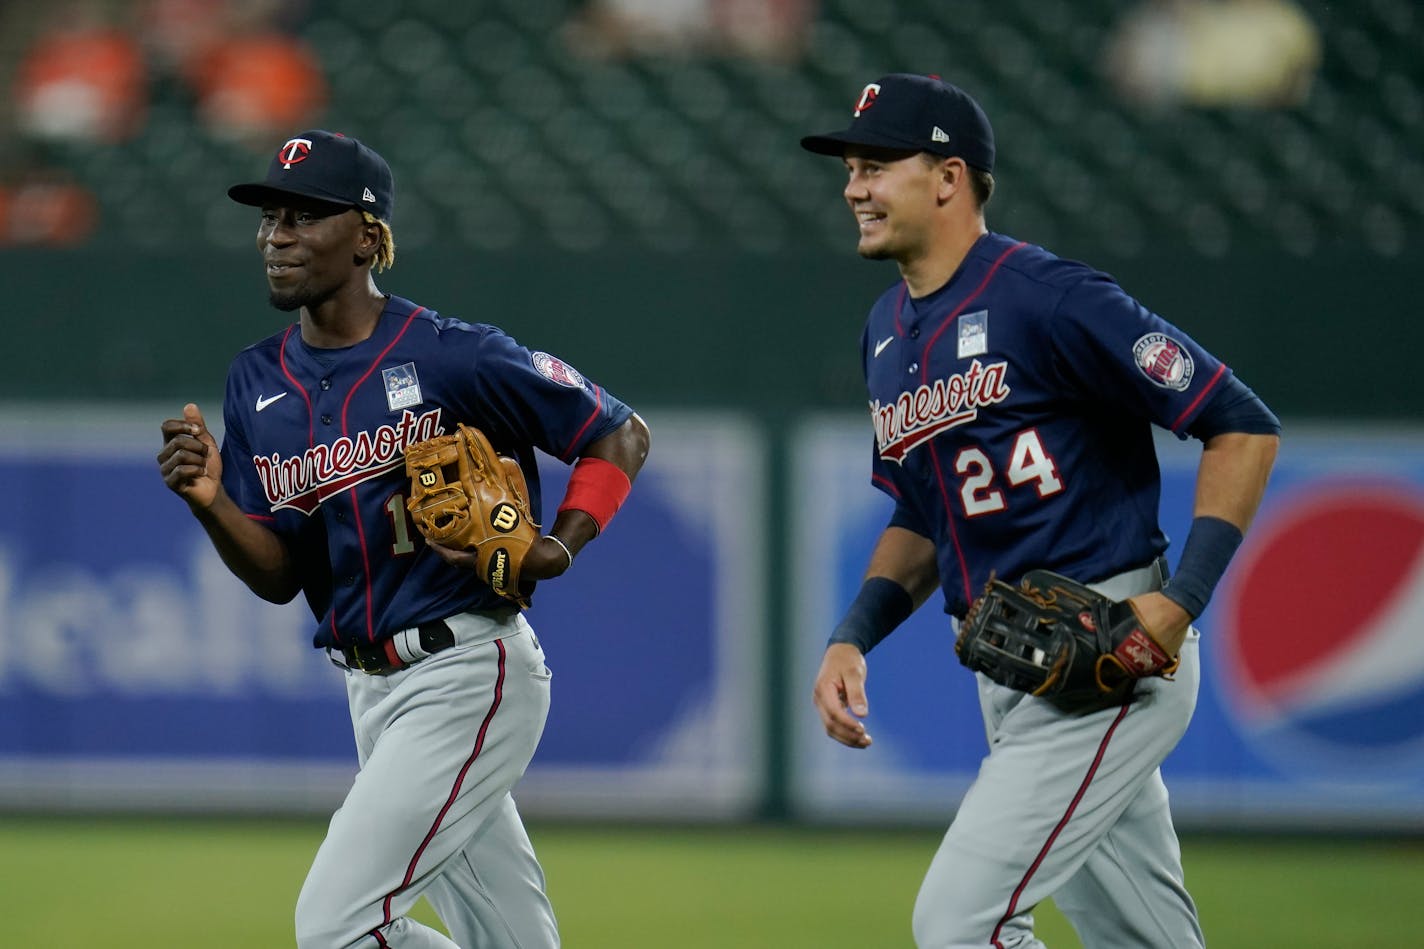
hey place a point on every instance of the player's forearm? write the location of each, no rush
(899, 579)
(908, 559)
(1231, 479)
(595, 494)
(1230, 483)
(254, 554)
(626, 447)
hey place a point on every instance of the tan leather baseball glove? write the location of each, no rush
(465, 496)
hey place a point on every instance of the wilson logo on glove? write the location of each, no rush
(465, 496)
(498, 576)
(504, 518)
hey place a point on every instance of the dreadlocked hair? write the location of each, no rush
(386, 253)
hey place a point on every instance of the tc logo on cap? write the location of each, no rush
(867, 98)
(294, 152)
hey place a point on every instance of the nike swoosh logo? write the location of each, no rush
(263, 403)
(879, 347)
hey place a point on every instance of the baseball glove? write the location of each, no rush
(466, 497)
(1057, 639)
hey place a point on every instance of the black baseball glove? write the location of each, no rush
(1057, 639)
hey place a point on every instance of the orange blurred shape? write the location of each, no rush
(47, 214)
(82, 85)
(256, 84)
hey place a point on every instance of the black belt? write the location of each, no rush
(381, 658)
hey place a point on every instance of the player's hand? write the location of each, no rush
(537, 563)
(1163, 619)
(189, 461)
(544, 560)
(839, 695)
(454, 556)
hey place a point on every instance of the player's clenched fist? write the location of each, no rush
(839, 695)
(189, 461)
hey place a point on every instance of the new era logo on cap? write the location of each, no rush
(325, 166)
(906, 112)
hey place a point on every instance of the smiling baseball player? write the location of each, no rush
(446, 681)
(1012, 398)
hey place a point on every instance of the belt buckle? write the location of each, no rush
(369, 663)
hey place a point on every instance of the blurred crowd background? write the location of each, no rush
(670, 125)
(1254, 140)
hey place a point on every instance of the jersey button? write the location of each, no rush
(915, 333)
(326, 383)
(914, 368)
(326, 420)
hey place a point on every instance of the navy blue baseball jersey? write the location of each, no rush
(314, 449)
(1013, 412)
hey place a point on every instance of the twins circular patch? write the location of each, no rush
(556, 370)
(1164, 360)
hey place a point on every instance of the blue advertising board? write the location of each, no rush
(136, 672)
(1311, 711)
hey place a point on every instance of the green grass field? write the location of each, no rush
(67, 883)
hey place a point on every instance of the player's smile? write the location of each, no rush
(305, 251)
(281, 268)
(878, 181)
(868, 219)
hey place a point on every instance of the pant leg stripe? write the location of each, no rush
(1062, 823)
(449, 800)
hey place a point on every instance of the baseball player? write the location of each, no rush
(1012, 395)
(446, 681)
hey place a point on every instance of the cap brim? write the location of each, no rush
(828, 144)
(259, 194)
(834, 143)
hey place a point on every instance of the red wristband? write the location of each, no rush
(598, 488)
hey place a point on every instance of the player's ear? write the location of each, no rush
(368, 241)
(953, 176)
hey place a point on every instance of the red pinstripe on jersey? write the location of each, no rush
(311, 425)
(301, 390)
(924, 378)
(592, 416)
(1186, 413)
(900, 305)
(355, 501)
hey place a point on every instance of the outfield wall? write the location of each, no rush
(136, 674)
(1311, 708)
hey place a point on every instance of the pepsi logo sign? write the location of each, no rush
(1322, 619)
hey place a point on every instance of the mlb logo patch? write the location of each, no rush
(974, 334)
(402, 386)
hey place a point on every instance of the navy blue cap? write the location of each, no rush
(326, 166)
(916, 113)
